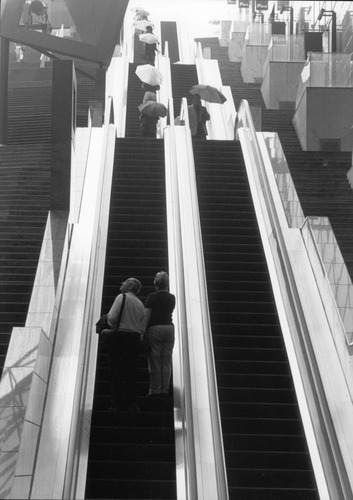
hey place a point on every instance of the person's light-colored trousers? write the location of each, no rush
(161, 343)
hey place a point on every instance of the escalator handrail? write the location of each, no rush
(184, 435)
(75, 482)
(205, 472)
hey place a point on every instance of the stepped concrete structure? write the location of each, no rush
(133, 456)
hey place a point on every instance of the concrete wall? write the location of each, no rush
(325, 113)
(280, 82)
(224, 36)
(253, 62)
(236, 46)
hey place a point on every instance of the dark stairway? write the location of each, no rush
(24, 205)
(265, 448)
(132, 455)
(184, 76)
(24, 189)
(25, 181)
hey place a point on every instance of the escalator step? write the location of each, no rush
(132, 454)
(265, 448)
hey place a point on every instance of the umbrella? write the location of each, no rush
(208, 93)
(142, 12)
(148, 38)
(152, 108)
(141, 25)
(149, 74)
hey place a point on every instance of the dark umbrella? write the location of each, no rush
(208, 93)
(152, 108)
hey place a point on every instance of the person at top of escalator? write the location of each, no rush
(198, 115)
(150, 49)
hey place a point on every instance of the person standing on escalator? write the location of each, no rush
(123, 345)
(159, 307)
(198, 116)
(150, 49)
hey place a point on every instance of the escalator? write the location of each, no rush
(265, 447)
(132, 454)
(184, 76)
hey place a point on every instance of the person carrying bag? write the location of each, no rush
(122, 345)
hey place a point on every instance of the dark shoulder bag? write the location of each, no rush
(103, 325)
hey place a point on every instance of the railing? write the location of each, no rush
(199, 449)
(334, 271)
(286, 188)
(62, 452)
(325, 70)
(258, 34)
(283, 48)
(300, 312)
(327, 247)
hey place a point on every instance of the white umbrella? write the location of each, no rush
(149, 74)
(142, 12)
(148, 38)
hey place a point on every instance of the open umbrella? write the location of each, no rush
(140, 9)
(148, 38)
(149, 74)
(208, 93)
(153, 108)
(141, 25)
(142, 12)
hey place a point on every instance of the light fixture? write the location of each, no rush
(290, 9)
(325, 13)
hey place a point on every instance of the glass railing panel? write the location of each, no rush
(286, 48)
(259, 39)
(336, 270)
(291, 204)
(325, 70)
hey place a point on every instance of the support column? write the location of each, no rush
(97, 105)
(63, 132)
(4, 87)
